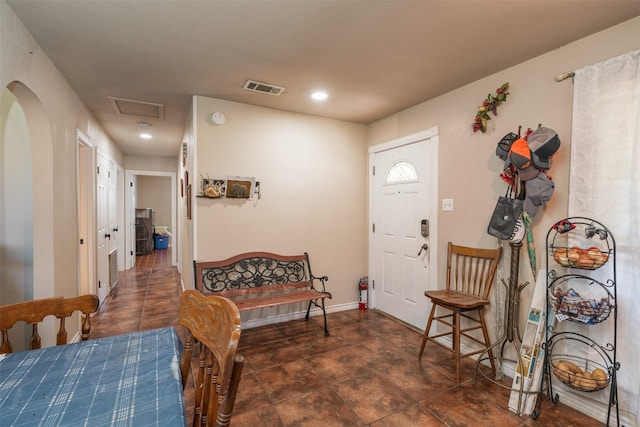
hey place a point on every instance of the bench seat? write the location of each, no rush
(257, 280)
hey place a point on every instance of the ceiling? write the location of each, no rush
(373, 57)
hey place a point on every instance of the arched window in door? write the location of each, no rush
(401, 172)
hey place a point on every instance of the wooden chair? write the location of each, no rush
(215, 323)
(34, 312)
(470, 275)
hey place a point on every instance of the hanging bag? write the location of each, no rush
(505, 216)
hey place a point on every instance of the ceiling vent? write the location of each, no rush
(130, 107)
(263, 88)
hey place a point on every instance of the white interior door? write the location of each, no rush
(86, 223)
(130, 209)
(112, 229)
(102, 224)
(404, 215)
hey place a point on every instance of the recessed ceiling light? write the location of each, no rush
(319, 95)
(145, 135)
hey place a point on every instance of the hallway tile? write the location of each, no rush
(372, 396)
(320, 407)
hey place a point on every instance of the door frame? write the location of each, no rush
(130, 244)
(431, 133)
(86, 202)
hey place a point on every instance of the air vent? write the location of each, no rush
(130, 107)
(263, 88)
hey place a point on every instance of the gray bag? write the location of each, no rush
(505, 216)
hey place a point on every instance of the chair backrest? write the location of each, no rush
(34, 312)
(472, 270)
(215, 323)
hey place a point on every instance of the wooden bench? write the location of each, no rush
(34, 312)
(261, 279)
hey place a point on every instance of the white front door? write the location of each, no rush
(404, 215)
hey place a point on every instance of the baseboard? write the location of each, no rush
(594, 409)
(255, 323)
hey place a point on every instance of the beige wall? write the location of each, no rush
(312, 173)
(54, 112)
(469, 169)
(155, 192)
(150, 163)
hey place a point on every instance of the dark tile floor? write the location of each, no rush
(365, 374)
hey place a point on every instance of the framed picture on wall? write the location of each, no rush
(239, 187)
(188, 201)
(181, 187)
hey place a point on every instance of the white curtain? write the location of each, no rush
(605, 185)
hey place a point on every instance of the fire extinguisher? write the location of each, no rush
(363, 287)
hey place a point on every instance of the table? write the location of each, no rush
(125, 380)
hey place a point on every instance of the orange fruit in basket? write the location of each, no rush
(574, 254)
(584, 262)
(594, 253)
(560, 253)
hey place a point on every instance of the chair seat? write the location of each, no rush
(470, 275)
(456, 300)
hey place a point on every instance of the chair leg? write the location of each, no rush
(486, 340)
(456, 344)
(426, 331)
(324, 313)
(306, 318)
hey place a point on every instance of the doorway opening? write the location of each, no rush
(156, 191)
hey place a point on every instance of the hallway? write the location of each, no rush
(365, 374)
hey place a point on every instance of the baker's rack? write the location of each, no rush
(581, 290)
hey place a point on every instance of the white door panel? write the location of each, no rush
(102, 224)
(112, 228)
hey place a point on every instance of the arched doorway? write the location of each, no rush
(26, 203)
(16, 212)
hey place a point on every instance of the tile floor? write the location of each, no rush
(365, 374)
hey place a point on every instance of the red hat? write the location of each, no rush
(520, 157)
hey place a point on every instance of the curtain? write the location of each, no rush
(605, 185)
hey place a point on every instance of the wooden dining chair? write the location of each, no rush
(214, 322)
(34, 312)
(470, 276)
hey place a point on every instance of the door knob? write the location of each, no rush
(424, 247)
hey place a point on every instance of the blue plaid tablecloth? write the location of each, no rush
(125, 380)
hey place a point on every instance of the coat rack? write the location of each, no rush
(511, 331)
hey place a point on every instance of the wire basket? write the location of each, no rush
(569, 305)
(575, 257)
(580, 373)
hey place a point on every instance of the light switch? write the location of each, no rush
(447, 204)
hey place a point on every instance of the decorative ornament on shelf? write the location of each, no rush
(490, 104)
